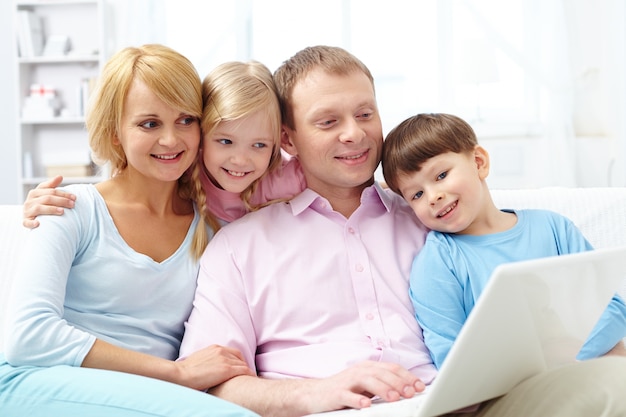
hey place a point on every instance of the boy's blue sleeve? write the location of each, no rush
(610, 329)
(437, 298)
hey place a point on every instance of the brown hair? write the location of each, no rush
(420, 138)
(332, 59)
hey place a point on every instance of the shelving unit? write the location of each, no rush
(56, 140)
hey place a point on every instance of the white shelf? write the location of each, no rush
(61, 59)
(55, 121)
(53, 2)
(66, 180)
(60, 140)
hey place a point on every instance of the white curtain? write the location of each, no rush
(567, 56)
(545, 61)
(134, 23)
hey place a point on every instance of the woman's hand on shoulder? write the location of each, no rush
(46, 199)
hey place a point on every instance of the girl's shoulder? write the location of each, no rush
(284, 182)
(87, 196)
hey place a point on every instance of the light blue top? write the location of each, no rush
(81, 281)
(451, 271)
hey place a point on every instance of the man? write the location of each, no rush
(314, 292)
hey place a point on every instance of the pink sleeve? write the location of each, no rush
(220, 313)
(285, 182)
(225, 205)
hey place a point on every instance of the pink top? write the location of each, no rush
(285, 182)
(304, 292)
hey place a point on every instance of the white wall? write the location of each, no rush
(518, 162)
(600, 157)
(8, 112)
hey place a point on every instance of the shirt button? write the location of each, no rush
(350, 230)
(380, 343)
(358, 268)
(369, 316)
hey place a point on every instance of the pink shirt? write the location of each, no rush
(304, 292)
(285, 182)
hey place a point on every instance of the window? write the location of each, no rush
(542, 70)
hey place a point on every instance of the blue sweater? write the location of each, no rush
(81, 281)
(451, 271)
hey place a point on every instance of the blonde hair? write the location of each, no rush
(237, 89)
(174, 80)
(333, 60)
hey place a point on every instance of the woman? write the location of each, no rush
(109, 285)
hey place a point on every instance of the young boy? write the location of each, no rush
(436, 164)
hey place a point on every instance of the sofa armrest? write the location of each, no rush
(12, 236)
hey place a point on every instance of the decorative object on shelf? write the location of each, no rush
(57, 45)
(41, 103)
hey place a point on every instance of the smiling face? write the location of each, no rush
(447, 193)
(238, 152)
(159, 142)
(338, 132)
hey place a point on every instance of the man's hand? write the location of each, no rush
(352, 388)
(46, 199)
(356, 386)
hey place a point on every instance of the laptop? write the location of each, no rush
(532, 316)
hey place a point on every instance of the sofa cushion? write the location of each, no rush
(600, 213)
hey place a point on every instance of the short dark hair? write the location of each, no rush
(420, 138)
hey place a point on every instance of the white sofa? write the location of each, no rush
(599, 212)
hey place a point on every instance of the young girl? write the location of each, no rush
(242, 168)
(435, 162)
(96, 320)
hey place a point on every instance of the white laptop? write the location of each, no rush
(532, 316)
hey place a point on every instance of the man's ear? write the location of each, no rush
(285, 141)
(481, 157)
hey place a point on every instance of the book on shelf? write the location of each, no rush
(30, 36)
(70, 170)
(84, 91)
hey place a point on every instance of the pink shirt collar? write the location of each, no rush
(309, 198)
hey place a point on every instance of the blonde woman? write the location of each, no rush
(98, 309)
